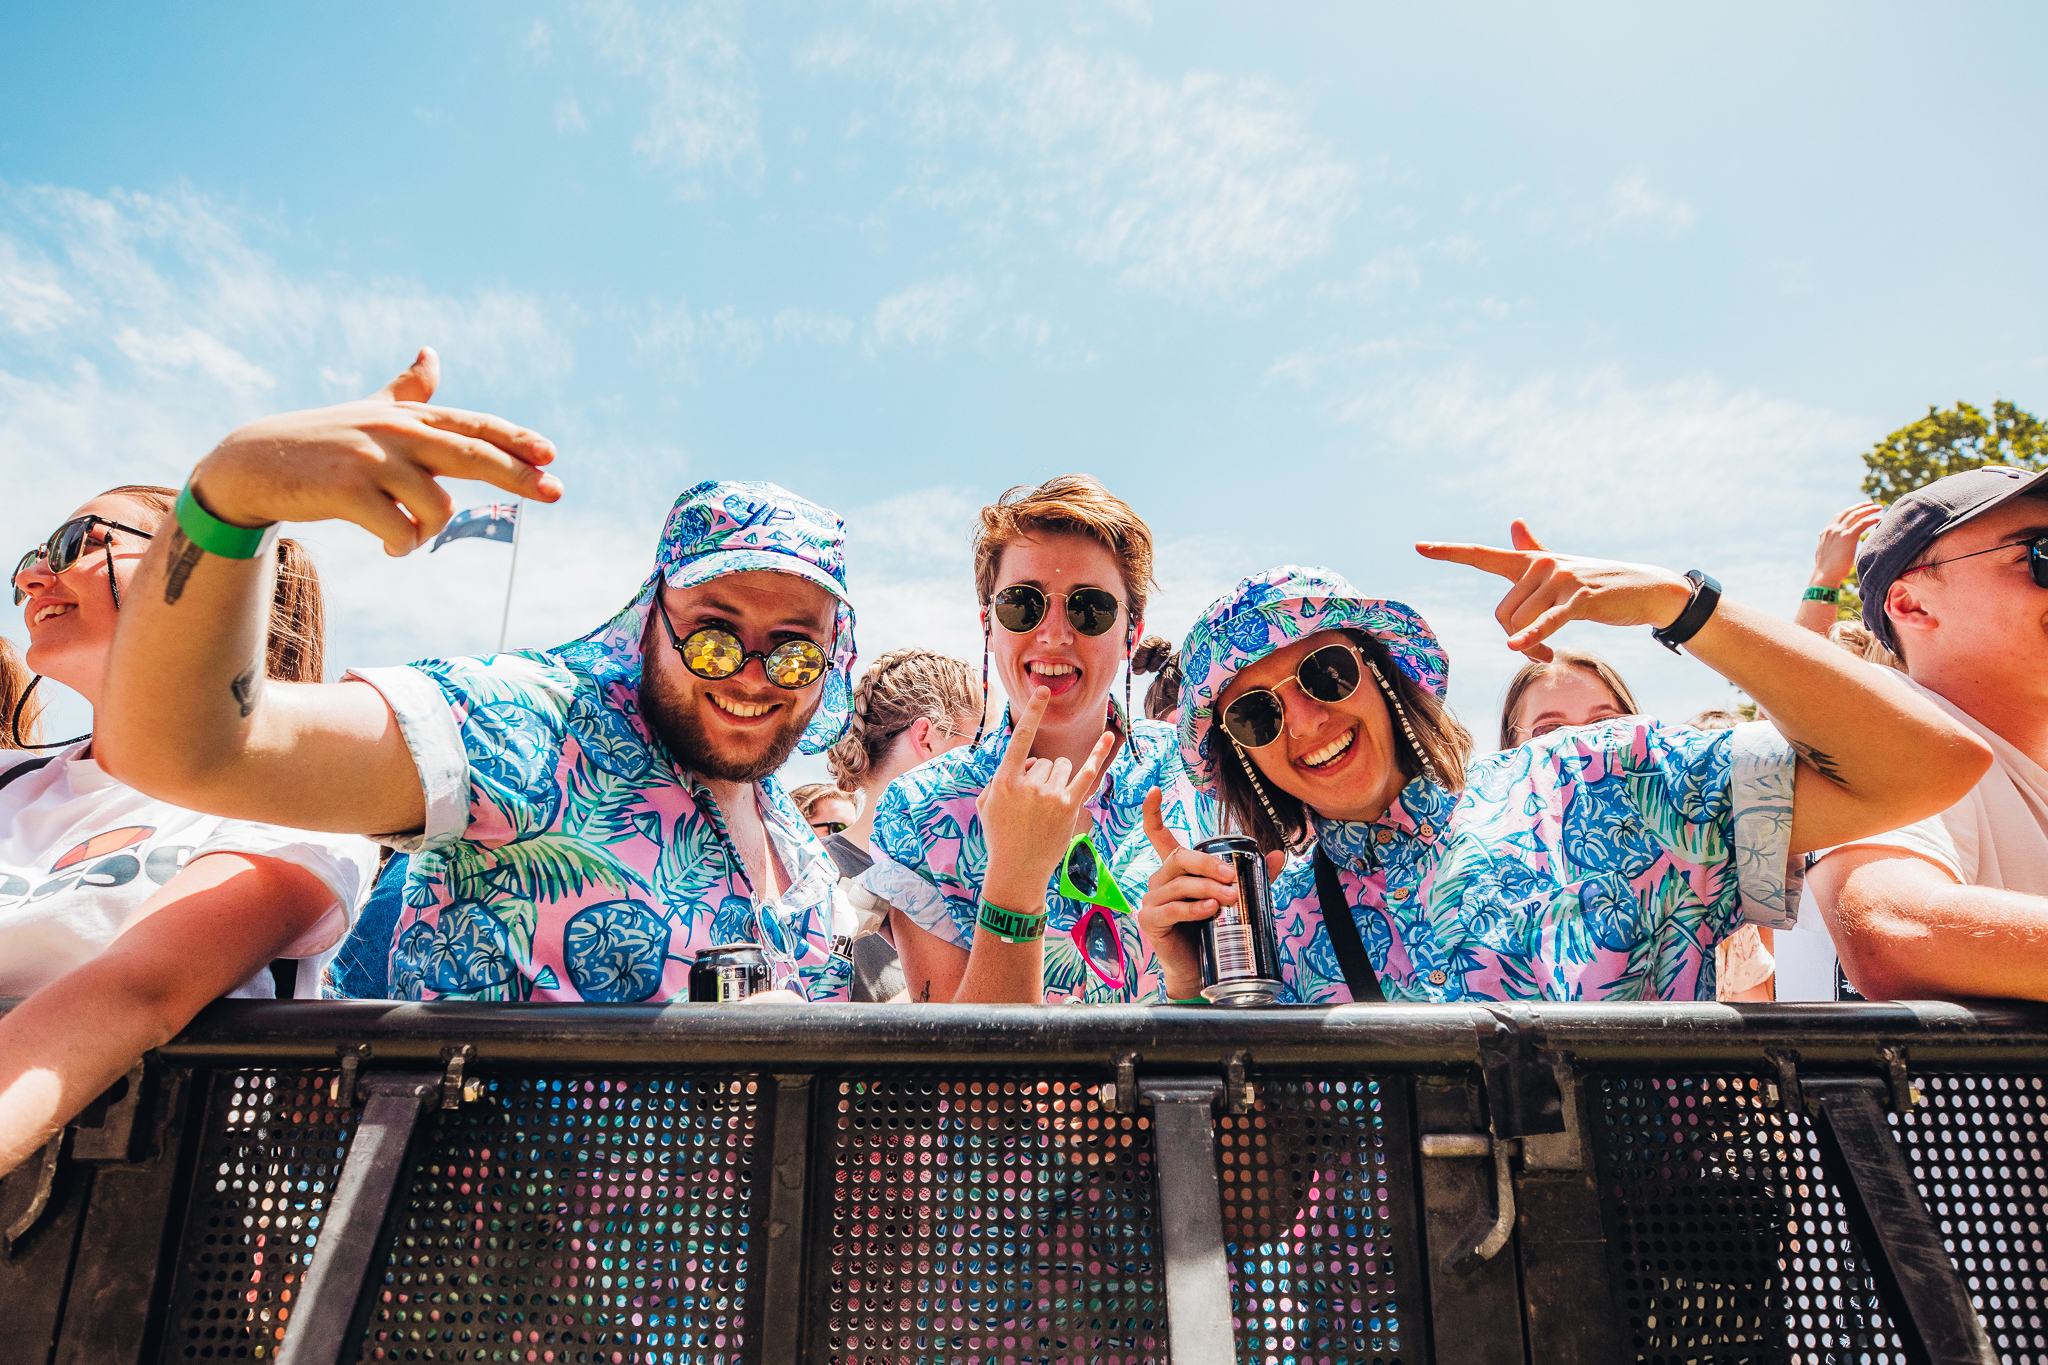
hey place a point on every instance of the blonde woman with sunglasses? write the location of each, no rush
(1005, 861)
(1594, 863)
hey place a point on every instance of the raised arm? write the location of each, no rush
(1874, 755)
(1833, 560)
(186, 714)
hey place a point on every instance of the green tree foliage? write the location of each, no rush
(1950, 440)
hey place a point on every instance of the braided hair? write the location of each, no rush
(899, 688)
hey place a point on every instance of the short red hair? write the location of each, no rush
(1078, 505)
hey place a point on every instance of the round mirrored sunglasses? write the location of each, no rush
(715, 654)
(1330, 674)
(1020, 607)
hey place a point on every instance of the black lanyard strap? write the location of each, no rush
(1351, 955)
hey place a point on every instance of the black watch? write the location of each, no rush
(1706, 595)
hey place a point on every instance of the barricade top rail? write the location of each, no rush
(1412, 1037)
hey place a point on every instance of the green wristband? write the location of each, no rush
(1817, 593)
(1009, 926)
(1191, 1000)
(215, 536)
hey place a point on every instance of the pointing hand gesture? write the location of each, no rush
(1188, 887)
(1551, 589)
(1031, 810)
(376, 461)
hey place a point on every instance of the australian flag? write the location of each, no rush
(496, 522)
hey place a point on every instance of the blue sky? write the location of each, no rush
(1304, 283)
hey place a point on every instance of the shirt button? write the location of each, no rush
(1437, 977)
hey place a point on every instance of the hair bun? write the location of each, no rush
(1153, 653)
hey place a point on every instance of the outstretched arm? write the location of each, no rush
(1906, 931)
(211, 927)
(186, 714)
(1874, 754)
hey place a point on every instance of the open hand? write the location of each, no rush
(1551, 589)
(375, 462)
(1031, 809)
(1835, 556)
(1188, 887)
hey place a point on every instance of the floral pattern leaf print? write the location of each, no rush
(512, 757)
(616, 950)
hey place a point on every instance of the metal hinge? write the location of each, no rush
(1240, 1096)
(341, 1092)
(456, 1088)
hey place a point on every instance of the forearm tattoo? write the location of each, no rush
(244, 688)
(184, 558)
(1822, 764)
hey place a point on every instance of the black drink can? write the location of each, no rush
(728, 973)
(1239, 953)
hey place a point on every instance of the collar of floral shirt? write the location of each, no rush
(1420, 813)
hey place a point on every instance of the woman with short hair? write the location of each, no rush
(1591, 864)
(122, 915)
(971, 849)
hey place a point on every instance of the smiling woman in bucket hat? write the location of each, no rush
(1601, 863)
(581, 821)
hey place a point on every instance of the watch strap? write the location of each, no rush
(1706, 595)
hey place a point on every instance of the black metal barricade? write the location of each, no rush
(703, 1185)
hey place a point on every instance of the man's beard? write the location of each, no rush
(675, 720)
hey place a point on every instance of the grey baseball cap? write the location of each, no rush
(1915, 521)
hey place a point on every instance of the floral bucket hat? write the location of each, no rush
(719, 528)
(1268, 612)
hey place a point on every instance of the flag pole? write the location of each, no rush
(518, 530)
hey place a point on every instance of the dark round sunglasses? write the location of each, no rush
(1090, 611)
(2037, 558)
(715, 655)
(67, 544)
(1329, 674)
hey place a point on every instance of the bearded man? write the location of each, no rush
(581, 822)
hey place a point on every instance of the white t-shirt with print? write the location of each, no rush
(79, 852)
(1995, 836)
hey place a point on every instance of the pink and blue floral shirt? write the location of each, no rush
(931, 854)
(1601, 863)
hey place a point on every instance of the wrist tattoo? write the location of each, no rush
(244, 688)
(1822, 764)
(184, 558)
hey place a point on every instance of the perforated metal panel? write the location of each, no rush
(1318, 1218)
(1978, 1149)
(271, 1151)
(1007, 1219)
(1729, 1244)
(574, 1220)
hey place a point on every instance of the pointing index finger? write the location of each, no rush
(1024, 732)
(1510, 564)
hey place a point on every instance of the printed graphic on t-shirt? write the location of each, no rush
(110, 858)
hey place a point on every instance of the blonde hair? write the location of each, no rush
(296, 648)
(900, 688)
(14, 679)
(1079, 505)
(1561, 659)
(1862, 641)
(807, 797)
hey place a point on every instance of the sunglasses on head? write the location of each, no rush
(715, 654)
(65, 546)
(1090, 611)
(1086, 878)
(2037, 558)
(1330, 674)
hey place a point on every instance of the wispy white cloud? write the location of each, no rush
(706, 110)
(169, 353)
(539, 41)
(1197, 186)
(925, 314)
(569, 115)
(798, 324)
(1632, 202)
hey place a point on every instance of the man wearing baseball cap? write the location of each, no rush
(581, 821)
(1955, 581)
